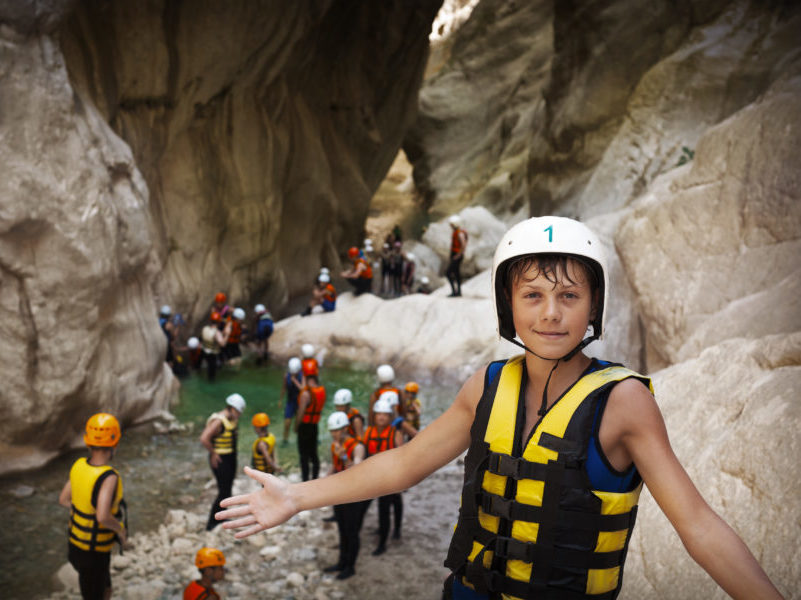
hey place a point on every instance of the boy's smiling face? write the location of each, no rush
(552, 318)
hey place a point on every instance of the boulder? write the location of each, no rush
(733, 417)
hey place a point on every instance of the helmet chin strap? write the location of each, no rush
(565, 358)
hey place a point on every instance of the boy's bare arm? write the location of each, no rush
(65, 497)
(104, 516)
(709, 540)
(388, 472)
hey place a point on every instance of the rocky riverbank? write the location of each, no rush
(288, 561)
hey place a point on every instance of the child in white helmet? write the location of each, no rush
(558, 446)
(290, 390)
(385, 375)
(324, 295)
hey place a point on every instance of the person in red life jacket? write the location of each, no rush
(232, 349)
(309, 364)
(219, 438)
(324, 295)
(93, 493)
(360, 275)
(346, 451)
(290, 389)
(213, 338)
(194, 352)
(379, 438)
(342, 402)
(458, 245)
(220, 306)
(211, 564)
(264, 329)
(558, 447)
(310, 406)
(385, 375)
(264, 455)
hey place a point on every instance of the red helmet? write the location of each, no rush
(215, 316)
(353, 252)
(220, 298)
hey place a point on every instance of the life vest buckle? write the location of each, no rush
(496, 506)
(505, 465)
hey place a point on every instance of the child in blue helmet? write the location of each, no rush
(558, 447)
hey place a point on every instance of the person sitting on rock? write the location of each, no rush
(264, 329)
(324, 295)
(558, 447)
(425, 285)
(264, 455)
(458, 245)
(290, 389)
(342, 402)
(407, 275)
(211, 563)
(93, 493)
(360, 275)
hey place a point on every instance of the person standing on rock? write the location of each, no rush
(290, 390)
(407, 280)
(385, 375)
(310, 406)
(558, 446)
(219, 438)
(379, 438)
(346, 451)
(360, 275)
(458, 246)
(210, 562)
(93, 493)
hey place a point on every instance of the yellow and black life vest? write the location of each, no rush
(315, 406)
(379, 441)
(530, 525)
(349, 445)
(225, 441)
(85, 531)
(258, 458)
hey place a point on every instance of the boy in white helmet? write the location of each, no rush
(219, 438)
(346, 451)
(385, 375)
(290, 390)
(558, 446)
(342, 402)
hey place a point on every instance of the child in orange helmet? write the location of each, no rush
(264, 456)
(211, 563)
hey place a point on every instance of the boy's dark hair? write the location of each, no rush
(552, 267)
(310, 377)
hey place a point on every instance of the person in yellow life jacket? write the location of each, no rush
(310, 406)
(379, 438)
(558, 447)
(458, 245)
(219, 438)
(346, 451)
(385, 375)
(412, 405)
(264, 455)
(211, 564)
(309, 364)
(93, 493)
(232, 349)
(342, 402)
(360, 275)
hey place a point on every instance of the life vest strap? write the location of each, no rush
(520, 468)
(492, 582)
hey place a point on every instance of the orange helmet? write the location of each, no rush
(260, 420)
(220, 298)
(102, 430)
(215, 316)
(209, 557)
(353, 252)
(412, 387)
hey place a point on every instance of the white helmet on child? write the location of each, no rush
(192, 343)
(307, 351)
(260, 308)
(325, 270)
(385, 373)
(236, 401)
(382, 406)
(425, 280)
(390, 397)
(294, 365)
(324, 278)
(165, 311)
(548, 235)
(239, 314)
(343, 397)
(410, 257)
(455, 220)
(337, 420)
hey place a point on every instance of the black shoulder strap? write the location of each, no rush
(99, 483)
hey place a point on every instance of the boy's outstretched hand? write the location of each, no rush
(259, 510)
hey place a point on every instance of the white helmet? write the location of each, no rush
(239, 313)
(307, 350)
(343, 397)
(368, 242)
(455, 220)
(236, 401)
(425, 280)
(324, 278)
(294, 365)
(337, 420)
(548, 235)
(385, 373)
(260, 308)
(390, 397)
(410, 257)
(382, 406)
(325, 270)
(192, 343)
(165, 310)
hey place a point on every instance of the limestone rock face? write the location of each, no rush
(733, 415)
(76, 265)
(262, 129)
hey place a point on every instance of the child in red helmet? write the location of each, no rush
(360, 275)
